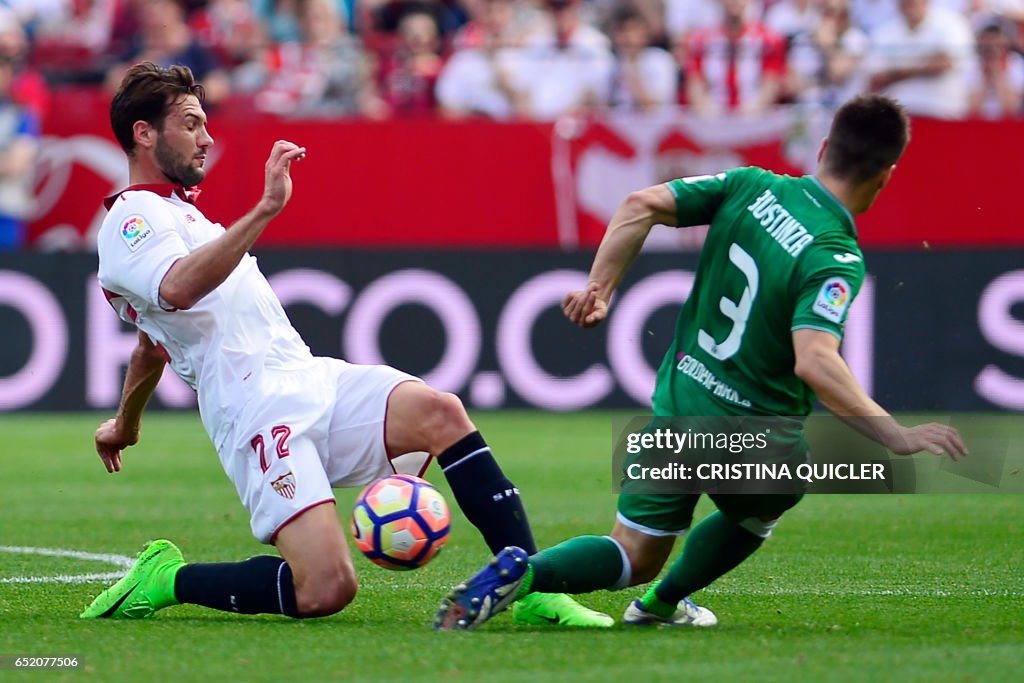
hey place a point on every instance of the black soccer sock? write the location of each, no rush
(260, 585)
(488, 499)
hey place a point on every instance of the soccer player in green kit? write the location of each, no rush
(758, 336)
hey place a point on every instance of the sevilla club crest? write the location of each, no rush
(285, 485)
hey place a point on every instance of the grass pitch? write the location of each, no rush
(908, 588)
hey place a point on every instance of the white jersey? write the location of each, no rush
(895, 45)
(223, 344)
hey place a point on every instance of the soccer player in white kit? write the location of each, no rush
(288, 426)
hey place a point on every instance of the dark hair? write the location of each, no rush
(625, 14)
(992, 28)
(146, 91)
(868, 135)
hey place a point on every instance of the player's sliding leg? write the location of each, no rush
(713, 548)
(318, 556)
(635, 552)
(585, 564)
(485, 594)
(626, 558)
(160, 578)
(542, 609)
(421, 418)
(315, 578)
(146, 587)
(579, 565)
(716, 546)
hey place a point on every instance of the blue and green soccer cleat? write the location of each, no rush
(147, 587)
(557, 608)
(488, 592)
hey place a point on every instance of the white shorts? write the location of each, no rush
(306, 433)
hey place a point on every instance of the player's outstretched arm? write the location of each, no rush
(627, 231)
(196, 275)
(144, 371)
(819, 364)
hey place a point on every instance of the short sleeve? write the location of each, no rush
(137, 246)
(699, 197)
(828, 280)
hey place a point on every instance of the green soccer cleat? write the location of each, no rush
(557, 608)
(147, 587)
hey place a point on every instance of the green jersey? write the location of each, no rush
(781, 255)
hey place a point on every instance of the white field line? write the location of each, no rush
(122, 561)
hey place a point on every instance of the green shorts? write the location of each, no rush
(660, 514)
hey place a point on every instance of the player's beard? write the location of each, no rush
(175, 166)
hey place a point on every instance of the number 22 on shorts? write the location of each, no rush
(279, 435)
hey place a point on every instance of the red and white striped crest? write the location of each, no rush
(285, 485)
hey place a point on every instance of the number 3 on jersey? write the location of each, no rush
(280, 435)
(737, 312)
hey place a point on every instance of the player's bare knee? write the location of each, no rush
(644, 570)
(327, 596)
(454, 413)
(643, 564)
(445, 420)
(343, 595)
(646, 554)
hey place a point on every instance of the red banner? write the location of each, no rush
(483, 184)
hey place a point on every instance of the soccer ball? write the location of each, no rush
(400, 522)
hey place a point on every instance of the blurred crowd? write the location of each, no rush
(509, 59)
(534, 59)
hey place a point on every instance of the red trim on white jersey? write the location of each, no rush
(163, 351)
(129, 309)
(163, 189)
(110, 296)
(291, 519)
(426, 464)
(172, 309)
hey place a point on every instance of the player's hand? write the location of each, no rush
(585, 307)
(277, 188)
(937, 439)
(111, 439)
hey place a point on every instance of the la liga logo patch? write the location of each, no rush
(833, 299)
(135, 230)
(837, 292)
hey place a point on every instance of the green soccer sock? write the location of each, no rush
(655, 605)
(713, 548)
(579, 565)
